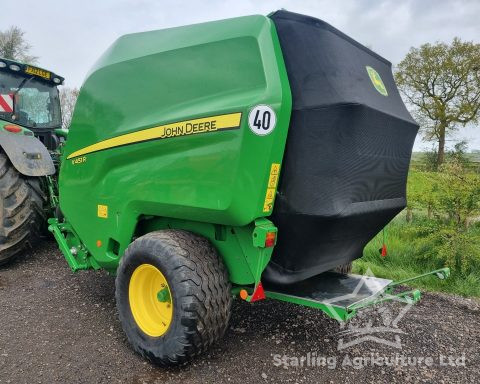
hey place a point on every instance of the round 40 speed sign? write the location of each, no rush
(262, 120)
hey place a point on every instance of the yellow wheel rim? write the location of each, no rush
(150, 300)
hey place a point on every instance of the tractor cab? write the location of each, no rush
(29, 101)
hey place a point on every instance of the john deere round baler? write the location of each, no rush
(247, 157)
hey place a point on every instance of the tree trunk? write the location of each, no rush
(441, 144)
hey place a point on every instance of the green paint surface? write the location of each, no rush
(204, 181)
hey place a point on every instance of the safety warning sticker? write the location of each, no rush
(102, 211)
(271, 187)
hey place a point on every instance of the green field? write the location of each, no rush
(473, 159)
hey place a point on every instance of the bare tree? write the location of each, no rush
(13, 46)
(68, 98)
(442, 84)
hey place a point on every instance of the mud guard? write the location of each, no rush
(27, 154)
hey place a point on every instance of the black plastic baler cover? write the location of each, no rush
(348, 151)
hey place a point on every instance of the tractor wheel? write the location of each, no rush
(344, 268)
(173, 296)
(22, 214)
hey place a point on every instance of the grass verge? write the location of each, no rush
(402, 263)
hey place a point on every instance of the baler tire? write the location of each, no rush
(22, 213)
(200, 290)
(344, 268)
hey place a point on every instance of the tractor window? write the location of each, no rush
(36, 103)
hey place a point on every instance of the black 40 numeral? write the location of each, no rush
(264, 122)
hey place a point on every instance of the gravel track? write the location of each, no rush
(59, 327)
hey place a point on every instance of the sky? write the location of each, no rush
(69, 35)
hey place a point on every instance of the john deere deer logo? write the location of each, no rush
(376, 81)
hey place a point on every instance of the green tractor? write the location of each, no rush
(30, 135)
(248, 158)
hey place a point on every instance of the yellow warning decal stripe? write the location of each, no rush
(271, 187)
(181, 128)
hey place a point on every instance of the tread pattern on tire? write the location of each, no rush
(205, 303)
(22, 214)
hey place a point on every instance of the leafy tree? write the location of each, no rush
(13, 46)
(430, 159)
(422, 192)
(68, 98)
(459, 154)
(446, 245)
(452, 195)
(448, 235)
(458, 193)
(442, 84)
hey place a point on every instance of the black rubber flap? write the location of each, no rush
(348, 150)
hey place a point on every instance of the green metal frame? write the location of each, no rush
(52, 193)
(242, 248)
(70, 245)
(345, 314)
